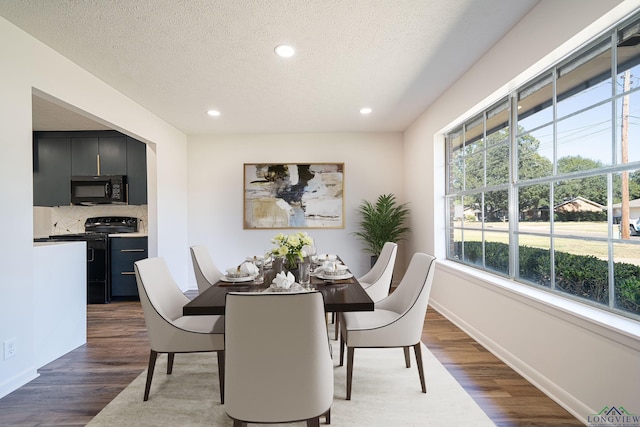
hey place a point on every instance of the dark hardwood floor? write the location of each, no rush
(75, 387)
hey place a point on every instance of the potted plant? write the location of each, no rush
(382, 222)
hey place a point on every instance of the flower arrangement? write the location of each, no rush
(291, 247)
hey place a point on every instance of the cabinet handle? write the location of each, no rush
(98, 163)
(132, 250)
(127, 273)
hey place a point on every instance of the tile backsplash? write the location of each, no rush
(70, 219)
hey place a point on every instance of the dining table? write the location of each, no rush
(339, 295)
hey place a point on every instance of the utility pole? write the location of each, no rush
(624, 142)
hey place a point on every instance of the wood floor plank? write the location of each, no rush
(74, 388)
(505, 396)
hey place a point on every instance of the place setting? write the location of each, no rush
(331, 270)
(250, 272)
(286, 282)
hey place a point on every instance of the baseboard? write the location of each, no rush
(17, 381)
(574, 406)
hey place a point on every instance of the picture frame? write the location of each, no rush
(293, 195)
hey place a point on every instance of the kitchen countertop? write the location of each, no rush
(139, 234)
(37, 243)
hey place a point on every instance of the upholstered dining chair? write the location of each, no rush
(396, 321)
(169, 331)
(279, 366)
(377, 281)
(204, 268)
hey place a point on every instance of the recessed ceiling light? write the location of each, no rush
(365, 110)
(213, 113)
(285, 51)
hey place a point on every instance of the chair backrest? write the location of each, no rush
(160, 297)
(205, 270)
(278, 364)
(379, 277)
(411, 297)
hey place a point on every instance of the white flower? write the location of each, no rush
(291, 246)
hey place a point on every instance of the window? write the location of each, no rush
(544, 186)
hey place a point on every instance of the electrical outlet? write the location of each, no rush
(9, 348)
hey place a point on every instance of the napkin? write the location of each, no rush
(284, 281)
(329, 266)
(249, 268)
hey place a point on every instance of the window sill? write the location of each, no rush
(610, 325)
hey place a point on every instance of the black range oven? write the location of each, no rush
(96, 236)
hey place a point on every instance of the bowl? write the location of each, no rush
(233, 273)
(340, 270)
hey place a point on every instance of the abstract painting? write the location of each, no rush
(304, 195)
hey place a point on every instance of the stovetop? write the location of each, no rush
(99, 227)
(111, 224)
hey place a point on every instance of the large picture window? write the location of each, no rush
(543, 187)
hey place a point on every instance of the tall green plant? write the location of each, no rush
(382, 222)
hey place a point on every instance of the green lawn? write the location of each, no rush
(624, 250)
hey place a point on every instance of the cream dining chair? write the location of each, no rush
(204, 268)
(169, 331)
(279, 366)
(396, 321)
(377, 281)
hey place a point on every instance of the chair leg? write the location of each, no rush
(152, 364)
(341, 351)
(327, 417)
(350, 351)
(170, 357)
(407, 358)
(418, 350)
(221, 374)
(238, 423)
(313, 422)
(337, 325)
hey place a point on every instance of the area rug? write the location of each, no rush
(384, 393)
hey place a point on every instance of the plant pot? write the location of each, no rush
(374, 259)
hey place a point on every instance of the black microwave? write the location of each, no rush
(90, 190)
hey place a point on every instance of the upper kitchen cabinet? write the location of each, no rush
(136, 172)
(51, 169)
(59, 155)
(103, 153)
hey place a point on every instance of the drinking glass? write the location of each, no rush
(305, 274)
(314, 260)
(259, 262)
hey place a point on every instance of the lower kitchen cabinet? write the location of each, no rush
(124, 252)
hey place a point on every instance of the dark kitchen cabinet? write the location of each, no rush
(99, 154)
(59, 155)
(51, 170)
(124, 252)
(137, 171)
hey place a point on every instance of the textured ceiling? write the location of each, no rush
(179, 58)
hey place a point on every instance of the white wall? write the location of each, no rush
(372, 166)
(28, 66)
(583, 364)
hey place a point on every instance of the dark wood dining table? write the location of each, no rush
(339, 296)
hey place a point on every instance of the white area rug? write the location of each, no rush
(385, 393)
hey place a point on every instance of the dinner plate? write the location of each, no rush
(323, 276)
(237, 279)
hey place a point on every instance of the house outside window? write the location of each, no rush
(543, 187)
